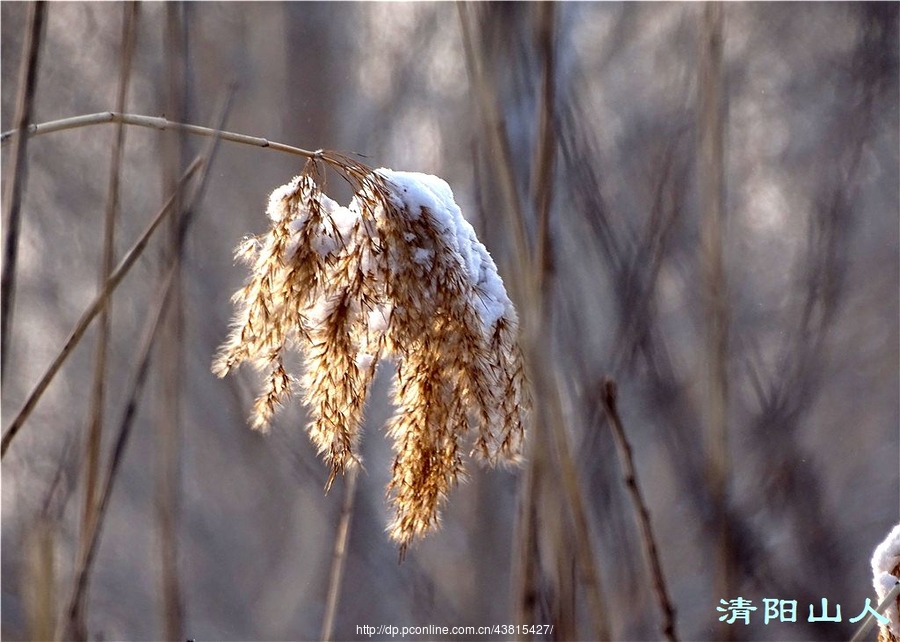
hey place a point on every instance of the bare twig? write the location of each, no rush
(642, 514)
(543, 288)
(92, 310)
(95, 422)
(339, 557)
(15, 185)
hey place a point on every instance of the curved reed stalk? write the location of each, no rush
(158, 123)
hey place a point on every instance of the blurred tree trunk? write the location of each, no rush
(315, 85)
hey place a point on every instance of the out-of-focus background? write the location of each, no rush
(710, 197)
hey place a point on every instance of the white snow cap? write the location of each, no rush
(275, 208)
(414, 192)
(885, 559)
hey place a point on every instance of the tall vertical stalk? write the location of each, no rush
(711, 128)
(545, 152)
(15, 184)
(550, 499)
(339, 556)
(169, 431)
(40, 584)
(95, 422)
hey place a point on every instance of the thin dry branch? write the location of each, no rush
(642, 514)
(92, 310)
(16, 182)
(350, 169)
(524, 575)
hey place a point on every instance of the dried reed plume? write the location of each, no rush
(398, 273)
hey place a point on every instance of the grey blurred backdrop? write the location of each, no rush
(806, 105)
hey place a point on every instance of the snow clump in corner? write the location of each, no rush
(885, 565)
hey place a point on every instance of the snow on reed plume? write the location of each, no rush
(886, 573)
(398, 274)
